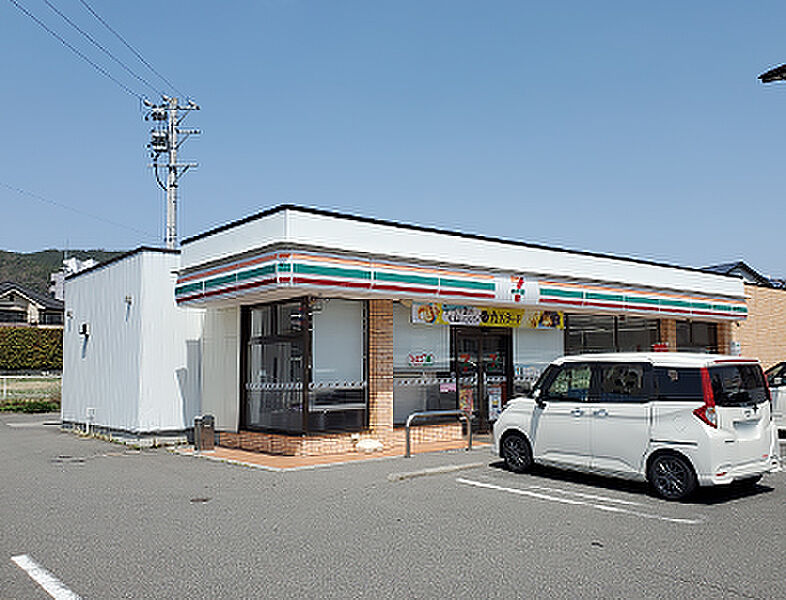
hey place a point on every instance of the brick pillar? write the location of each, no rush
(724, 338)
(668, 333)
(380, 377)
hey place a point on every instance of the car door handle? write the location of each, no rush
(577, 412)
(601, 413)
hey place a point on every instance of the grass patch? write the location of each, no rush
(30, 406)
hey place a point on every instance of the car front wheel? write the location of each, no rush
(671, 477)
(516, 453)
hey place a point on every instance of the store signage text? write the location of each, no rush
(485, 316)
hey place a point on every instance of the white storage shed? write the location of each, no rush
(131, 356)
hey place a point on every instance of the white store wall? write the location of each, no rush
(534, 349)
(221, 367)
(139, 366)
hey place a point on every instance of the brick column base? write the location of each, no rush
(380, 361)
(724, 338)
(668, 333)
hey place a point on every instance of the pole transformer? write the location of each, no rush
(166, 137)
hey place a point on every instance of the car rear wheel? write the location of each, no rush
(516, 453)
(671, 477)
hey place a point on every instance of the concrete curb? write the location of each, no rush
(395, 476)
(434, 471)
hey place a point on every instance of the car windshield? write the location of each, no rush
(738, 385)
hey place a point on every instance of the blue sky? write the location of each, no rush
(628, 128)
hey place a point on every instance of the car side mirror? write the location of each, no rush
(776, 381)
(536, 396)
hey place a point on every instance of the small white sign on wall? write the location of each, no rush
(421, 359)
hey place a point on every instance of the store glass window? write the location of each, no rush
(589, 333)
(337, 391)
(305, 353)
(635, 334)
(421, 367)
(533, 350)
(262, 321)
(602, 333)
(697, 336)
(274, 369)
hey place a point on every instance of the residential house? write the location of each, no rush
(21, 306)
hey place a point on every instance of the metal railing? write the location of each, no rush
(23, 387)
(439, 413)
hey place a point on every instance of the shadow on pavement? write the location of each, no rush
(705, 495)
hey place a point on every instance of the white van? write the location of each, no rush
(675, 420)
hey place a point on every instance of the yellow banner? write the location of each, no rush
(485, 316)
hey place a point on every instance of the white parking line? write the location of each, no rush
(561, 500)
(44, 578)
(587, 496)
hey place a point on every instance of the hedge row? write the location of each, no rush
(30, 348)
(32, 406)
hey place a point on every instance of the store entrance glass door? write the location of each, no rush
(483, 371)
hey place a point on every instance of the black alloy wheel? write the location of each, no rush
(516, 453)
(672, 477)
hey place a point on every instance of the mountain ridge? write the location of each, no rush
(32, 269)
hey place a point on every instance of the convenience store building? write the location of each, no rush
(321, 329)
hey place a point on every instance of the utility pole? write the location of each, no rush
(166, 137)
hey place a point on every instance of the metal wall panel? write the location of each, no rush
(138, 369)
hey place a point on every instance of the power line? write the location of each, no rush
(98, 68)
(131, 48)
(100, 47)
(22, 192)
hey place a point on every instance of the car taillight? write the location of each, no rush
(769, 395)
(707, 412)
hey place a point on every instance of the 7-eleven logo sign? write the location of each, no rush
(517, 290)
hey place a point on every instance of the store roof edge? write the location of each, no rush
(425, 229)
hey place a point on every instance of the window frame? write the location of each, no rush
(647, 383)
(616, 322)
(305, 338)
(553, 376)
(698, 395)
(692, 327)
(778, 370)
(724, 400)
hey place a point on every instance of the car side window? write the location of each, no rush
(622, 383)
(571, 383)
(776, 376)
(677, 384)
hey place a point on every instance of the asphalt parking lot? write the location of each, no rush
(101, 521)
